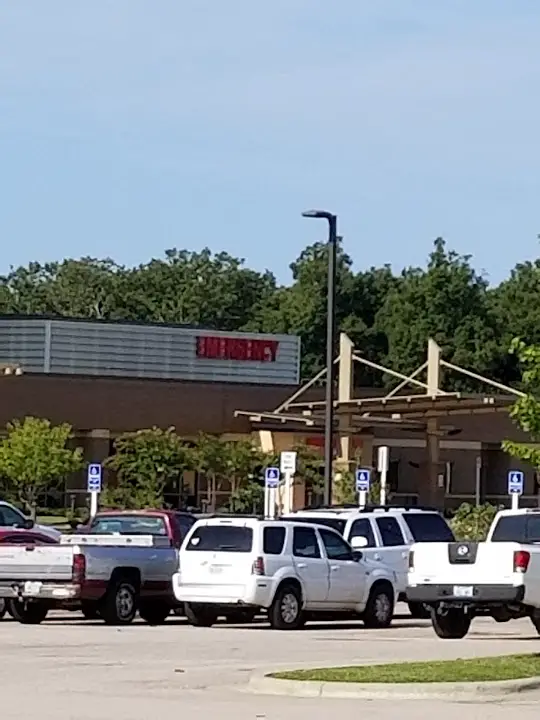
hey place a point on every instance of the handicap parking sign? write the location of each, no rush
(93, 479)
(363, 477)
(271, 477)
(515, 482)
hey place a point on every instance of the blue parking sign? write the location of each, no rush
(516, 482)
(271, 477)
(363, 479)
(93, 478)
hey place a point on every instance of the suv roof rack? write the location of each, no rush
(248, 516)
(369, 508)
(406, 508)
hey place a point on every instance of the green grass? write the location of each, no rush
(507, 667)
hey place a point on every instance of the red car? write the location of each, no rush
(20, 536)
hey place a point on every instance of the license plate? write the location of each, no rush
(32, 587)
(463, 591)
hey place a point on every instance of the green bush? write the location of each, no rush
(472, 522)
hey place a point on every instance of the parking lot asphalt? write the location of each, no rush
(71, 668)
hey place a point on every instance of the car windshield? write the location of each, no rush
(128, 525)
(221, 538)
(333, 523)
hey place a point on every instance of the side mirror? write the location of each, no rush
(359, 542)
(357, 555)
(27, 524)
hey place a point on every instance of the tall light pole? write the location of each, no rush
(330, 338)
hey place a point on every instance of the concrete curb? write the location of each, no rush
(454, 692)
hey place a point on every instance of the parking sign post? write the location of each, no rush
(363, 481)
(287, 466)
(93, 485)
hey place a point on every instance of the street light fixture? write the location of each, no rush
(330, 338)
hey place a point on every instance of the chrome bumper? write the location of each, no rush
(38, 590)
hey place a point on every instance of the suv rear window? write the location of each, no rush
(517, 528)
(221, 538)
(428, 527)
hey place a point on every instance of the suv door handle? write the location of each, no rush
(404, 554)
(377, 556)
(301, 565)
(334, 567)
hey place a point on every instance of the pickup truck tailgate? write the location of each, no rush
(463, 563)
(37, 562)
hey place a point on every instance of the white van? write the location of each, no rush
(289, 569)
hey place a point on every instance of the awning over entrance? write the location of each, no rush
(429, 410)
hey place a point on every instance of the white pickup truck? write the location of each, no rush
(499, 578)
(107, 576)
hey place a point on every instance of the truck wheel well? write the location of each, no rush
(383, 585)
(290, 582)
(130, 574)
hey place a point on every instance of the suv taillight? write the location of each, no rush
(411, 559)
(79, 568)
(258, 566)
(521, 561)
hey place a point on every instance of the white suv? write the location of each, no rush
(289, 569)
(383, 534)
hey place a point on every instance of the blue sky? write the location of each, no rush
(129, 126)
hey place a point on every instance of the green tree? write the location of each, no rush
(214, 291)
(344, 489)
(526, 410)
(515, 306)
(86, 288)
(247, 499)
(301, 308)
(212, 458)
(447, 302)
(34, 458)
(144, 463)
(243, 460)
(473, 522)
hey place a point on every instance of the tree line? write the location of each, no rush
(388, 315)
(148, 466)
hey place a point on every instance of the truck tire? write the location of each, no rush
(201, 615)
(90, 610)
(120, 603)
(3, 608)
(239, 617)
(154, 612)
(28, 613)
(286, 611)
(379, 609)
(454, 625)
(419, 611)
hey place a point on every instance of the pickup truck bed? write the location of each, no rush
(462, 580)
(107, 576)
